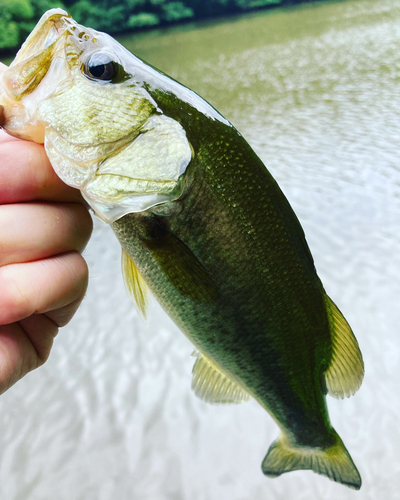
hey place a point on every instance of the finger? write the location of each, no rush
(63, 315)
(17, 355)
(23, 347)
(26, 174)
(35, 231)
(41, 286)
(4, 137)
(41, 331)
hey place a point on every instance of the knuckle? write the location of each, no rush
(76, 274)
(14, 303)
(85, 223)
(82, 274)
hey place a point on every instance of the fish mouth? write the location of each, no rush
(34, 58)
(27, 71)
(46, 43)
(48, 30)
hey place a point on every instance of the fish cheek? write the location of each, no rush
(90, 113)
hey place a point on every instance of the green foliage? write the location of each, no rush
(134, 4)
(17, 9)
(40, 7)
(203, 9)
(251, 4)
(99, 17)
(18, 17)
(9, 32)
(142, 20)
(174, 11)
(12, 13)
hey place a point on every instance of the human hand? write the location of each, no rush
(44, 226)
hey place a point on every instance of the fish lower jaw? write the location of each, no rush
(17, 123)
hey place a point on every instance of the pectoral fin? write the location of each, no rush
(211, 385)
(135, 284)
(181, 266)
(346, 370)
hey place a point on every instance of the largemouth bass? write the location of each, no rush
(202, 224)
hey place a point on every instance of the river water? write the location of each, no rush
(315, 91)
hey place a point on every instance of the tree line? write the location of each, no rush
(18, 17)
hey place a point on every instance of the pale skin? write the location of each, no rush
(44, 228)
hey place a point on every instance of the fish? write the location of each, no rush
(203, 227)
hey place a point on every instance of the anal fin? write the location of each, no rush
(134, 283)
(213, 386)
(346, 371)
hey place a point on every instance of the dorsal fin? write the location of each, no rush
(211, 385)
(346, 370)
(135, 284)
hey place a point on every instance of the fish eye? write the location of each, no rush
(101, 66)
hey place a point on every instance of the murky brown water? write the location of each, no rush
(315, 90)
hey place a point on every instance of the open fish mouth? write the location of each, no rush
(50, 27)
(42, 67)
(53, 25)
(35, 56)
(22, 81)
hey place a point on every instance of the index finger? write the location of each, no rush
(27, 175)
(4, 137)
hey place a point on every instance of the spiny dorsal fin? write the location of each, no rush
(346, 370)
(213, 386)
(135, 284)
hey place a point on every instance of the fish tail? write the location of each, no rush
(334, 462)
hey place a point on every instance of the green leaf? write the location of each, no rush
(18, 9)
(174, 11)
(9, 33)
(142, 20)
(251, 4)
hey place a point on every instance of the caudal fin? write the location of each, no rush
(333, 462)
